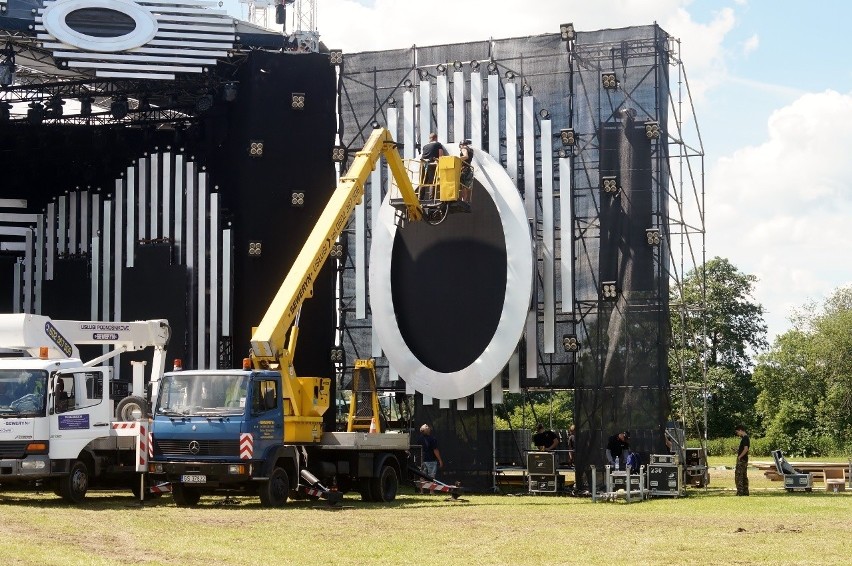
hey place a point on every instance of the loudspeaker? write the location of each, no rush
(542, 463)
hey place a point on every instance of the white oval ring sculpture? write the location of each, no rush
(519, 279)
(145, 30)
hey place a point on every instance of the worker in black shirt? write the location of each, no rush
(545, 439)
(430, 154)
(741, 469)
(616, 447)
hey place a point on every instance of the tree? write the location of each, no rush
(554, 409)
(716, 321)
(805, 380)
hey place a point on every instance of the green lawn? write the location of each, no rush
(709, 526)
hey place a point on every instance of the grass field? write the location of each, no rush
(709, 526)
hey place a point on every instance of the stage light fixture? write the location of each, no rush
(457, 65)
(204, 103)
(544, 113)
(375, 125)
(392, 102)
(297, 198)
(509, 75)
(492, 67)
(54, 107)
(297, 101)
(229, 92)
(86, 106)
(570, 343)
(526, 89)
(336, 250)
(35, 113)
(338, 153)
(254, 248)
(407, 83)
(423, 74)
(563, 153)
(255, 148)
(609, 185)
(474, 65)
(609, 290)
(653, 236)
(5, 111)
(337, 355)
(567, 136)
(609, 81)
(567, 32)
(652, 130)
(335, 57)
(441, 68)
(118, 108)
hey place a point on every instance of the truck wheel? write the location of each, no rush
(273, 492)
(383, 488)
(125, 408)
(185, 496)
(73, 487)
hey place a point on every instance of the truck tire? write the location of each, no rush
(274, 491)
(185, 496)
(124, 409)
(73, 487)
(383, 488)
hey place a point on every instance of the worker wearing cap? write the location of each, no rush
(616, 447)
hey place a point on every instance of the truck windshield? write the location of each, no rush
(202, 395)
(22, 393)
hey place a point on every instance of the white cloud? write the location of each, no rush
(781, 209)
(751, 44)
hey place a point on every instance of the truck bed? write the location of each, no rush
(364, 441)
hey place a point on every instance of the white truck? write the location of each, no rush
(60, 427)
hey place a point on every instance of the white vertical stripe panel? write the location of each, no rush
(566, 230)
(96, 214)
(361, 247)
(103, 264)
(461, 404)
(529, 155)
(494, 116)
(409, 389)
(62, 232)
(28, 271)
(476, 109)
(497, 390)
(408, 125)
(39, 267)
(142, 190)
(189, 254)
(547, 237)
(458, 106)
(155, 195)
(226, 282)
(180, 172)
(376, 347)
(444, 403)
(96, 278)
(532, 351)
(107, 240)
(119, 248)
(393, 376)
(214, 280)
(168, 187)
(442, 100)
(515, 372)
(130, 232)
(16, 286)
(84, 221)
(425, 123)
(479, 399)
(72, 223)
(50, 230)
(427, 400)
(512, 131)
(201, 270)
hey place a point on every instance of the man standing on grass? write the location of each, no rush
(740, 475)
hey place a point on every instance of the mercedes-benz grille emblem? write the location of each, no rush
(194, 447)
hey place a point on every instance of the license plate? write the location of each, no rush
(193, 478)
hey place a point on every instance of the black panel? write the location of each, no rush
(449, 284)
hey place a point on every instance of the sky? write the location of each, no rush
(772, 91)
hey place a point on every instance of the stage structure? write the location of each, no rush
(590, 129)
(163, 161)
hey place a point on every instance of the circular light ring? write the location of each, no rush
(516, 302)
(145, 30)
